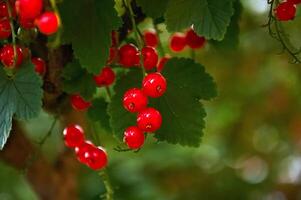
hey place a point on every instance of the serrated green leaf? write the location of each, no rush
(78, 80)
(20, 96)
(98, 113)
(90, 34)
(181, 109)
(210, 18)
(231, 39)
(154, 8)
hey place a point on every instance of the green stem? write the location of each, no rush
(12, 27)
(107, 183)
(192, 54)
(57, 39)
(137, 33)
(160, 46)
(109, 93)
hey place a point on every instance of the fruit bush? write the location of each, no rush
(125, 69)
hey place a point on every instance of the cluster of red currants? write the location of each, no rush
(28, 14)
(286, 10)
(178, 41)
(86, 152)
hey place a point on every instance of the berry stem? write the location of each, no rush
(109, 93)
(137, 32)
(56, 42)
(107, 183)
(160, 46)
(192, 54)
(12, 27)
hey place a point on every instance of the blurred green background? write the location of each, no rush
(251, 148)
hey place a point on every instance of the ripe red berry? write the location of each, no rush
(29, 9)
(134, 100)
(78, 103)
(26, 23)
(149, 120)
(47, 23)
(73, 136)
(285, 11)
(151, 38)
(193, 40)
(133, 137)
(5, 30)
(4, 10)
(105, 78)
(162, 63)
(154, 85)
(294, 1)
(129, 55)
(96, 158)
(177, 42)
(40, 66)
(7, 56)
(150, 57)
(82, 151)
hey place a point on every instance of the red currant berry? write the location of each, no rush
(47, 23)
(105, 78)
(5, 30)
(82, 151)
(133, 137)
(162, 63)
(73, 136)
(29, 9)
(154, 85)
(177, 42)
(4, 10)
(294, 1)
(149, 120)
(151, 38)
(193, 40)
(97, 158)
(40, 66)
(150, 57)
(134, 100)
(7, 56)
(78, 103)
(285, 11)
(26, 23)
(129, 55)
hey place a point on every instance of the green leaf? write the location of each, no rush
(78, 80)
(231, 39)
(210, 18)
(87, 25)
(181, 109)
(154, 8)
(20, 96)
(120, 119)
(98, 113)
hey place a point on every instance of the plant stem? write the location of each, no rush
(109, 93)
(160, 46)
(108, 186)
(137, 33)
(12, 27)
(57, 39)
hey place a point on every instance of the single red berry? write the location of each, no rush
(4, 10)
(105, 78)
(154, 85)
(73, 136)
(149, 120)
(177, 42)
(193, 40)
(26, 23)
(151, 38)
(47, 23)
(150, 57)
(5, 30)
(285, 11)
(134, 100)
(78, 103)
(40, 66)
(7, 56)
(29, 9)
(162, 63)
(129, 55)
(82, 151)
(133, 137)
(97, 158)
